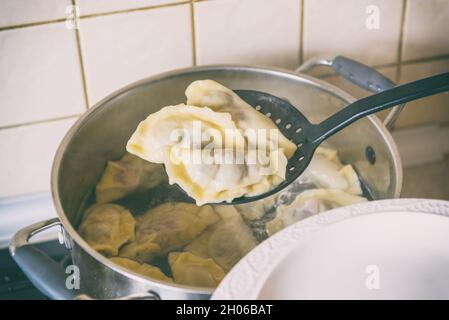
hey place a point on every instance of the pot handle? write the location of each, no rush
(44, 272)
(359, 74)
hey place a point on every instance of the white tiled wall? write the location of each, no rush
(20, 12)
(426, 29)
(434, 109)
(39, 74)
(249, 32)
(88, 7)
(122, 48)
(50, 74)
(27, 155)
(340, 27)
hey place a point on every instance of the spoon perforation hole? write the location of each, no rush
(278, 121)
(268, 114)
(258, 108)
(291, 168)
(298, 130)
(288, 126)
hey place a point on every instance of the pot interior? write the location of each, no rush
(101, 134)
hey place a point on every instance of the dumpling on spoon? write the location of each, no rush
(209, 93)
(216, 148)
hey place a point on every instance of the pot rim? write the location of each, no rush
(216, 67)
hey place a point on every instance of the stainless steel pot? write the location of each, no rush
(101, 134)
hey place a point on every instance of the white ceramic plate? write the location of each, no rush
(390, 249)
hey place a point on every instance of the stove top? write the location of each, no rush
(13, 282)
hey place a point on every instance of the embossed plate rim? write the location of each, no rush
(246, 279)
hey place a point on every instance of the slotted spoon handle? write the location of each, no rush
(377, 102)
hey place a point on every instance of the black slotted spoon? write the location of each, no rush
(308, 136)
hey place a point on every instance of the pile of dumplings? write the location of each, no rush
(202, 243)
(175, 241)
(325, 184)
(199, 243)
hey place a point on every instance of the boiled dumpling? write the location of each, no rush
(174, 126)
(227, 241)
(200, 245)
(209, 93)
(255, 210)
(326, 171)
(379, 176)
(190, 270)
(167, 227)
(141, 268)
(106, 227)
(156, 140)
(224, 161)
(352, 179)
(309, 203)
(194, 165)
(126, 175)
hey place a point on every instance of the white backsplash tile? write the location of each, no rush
(339, 27)
(27, 156)
(426, 29)
(39, 74)
(102, 6)
(18, 12)
(248, 32)
(122, 48)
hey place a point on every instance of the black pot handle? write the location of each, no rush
(45, 273)
(359, 74)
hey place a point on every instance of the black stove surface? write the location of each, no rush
(13, 282)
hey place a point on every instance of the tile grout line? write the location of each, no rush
(193, 31)
(102, 14)
(93, 15)
(401, 40)
(301, 34)
(81, 61)
(426, 59)
(83, 74)
(30, 123)
(31, 24)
